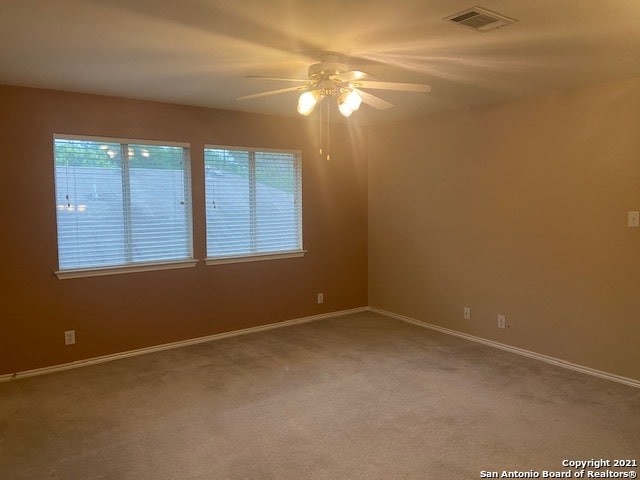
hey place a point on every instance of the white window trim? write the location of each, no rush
(91, 138)
(254, 257)
(253, 149)
(133, 267)
(116, 270)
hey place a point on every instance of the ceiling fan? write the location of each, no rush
(332, 77)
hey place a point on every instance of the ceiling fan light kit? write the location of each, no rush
(308, 101)
(332, 77)
(348, 102)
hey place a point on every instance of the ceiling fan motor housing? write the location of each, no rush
(322, 71)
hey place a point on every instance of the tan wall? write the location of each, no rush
(520, 209)
(123, 312)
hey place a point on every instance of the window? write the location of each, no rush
(253, 204)
(121, 204)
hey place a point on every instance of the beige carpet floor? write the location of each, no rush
(360, 396)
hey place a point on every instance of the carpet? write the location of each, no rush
(359, 396)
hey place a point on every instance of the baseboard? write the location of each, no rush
(168, 346)
(218, 336)
(519, 351)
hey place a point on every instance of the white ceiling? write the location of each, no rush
(197, 52)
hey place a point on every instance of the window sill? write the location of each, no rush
(256, 257)
(116, 270)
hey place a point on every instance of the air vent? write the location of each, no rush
(480, 19)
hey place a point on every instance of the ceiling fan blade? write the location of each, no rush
(374, 101)
(405, 87)
(271, 92)
(279, 79)
(350, 76)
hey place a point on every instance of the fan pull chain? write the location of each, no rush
(325, 131)
(328, 131)
(321, 136)
(323, 147)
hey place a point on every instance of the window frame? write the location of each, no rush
(257, 256)
(131, 267)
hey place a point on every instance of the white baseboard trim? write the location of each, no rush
(168, 346)
(296, 321)
(519, 351)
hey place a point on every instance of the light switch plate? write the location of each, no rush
(633, 219)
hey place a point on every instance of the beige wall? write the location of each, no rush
(520, 209)
(124, 312)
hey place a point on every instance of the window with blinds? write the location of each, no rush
(254, 202)
(121, 203)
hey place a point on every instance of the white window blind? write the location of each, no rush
(121, 203)
(253, 200)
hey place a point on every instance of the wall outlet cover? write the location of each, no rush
(69, 337)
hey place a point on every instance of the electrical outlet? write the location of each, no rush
(321, 298)
(467, 313)
(70, 337)
(502, 321)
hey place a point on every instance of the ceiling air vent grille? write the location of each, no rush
(480, 19)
